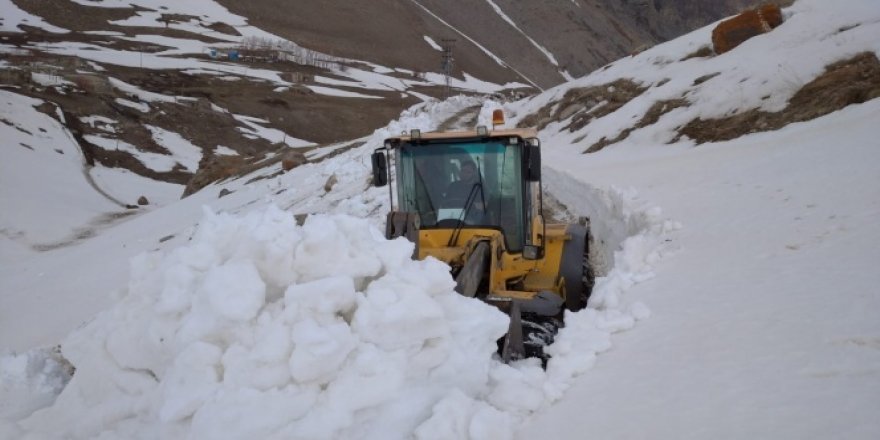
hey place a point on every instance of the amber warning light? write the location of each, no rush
(497, 117)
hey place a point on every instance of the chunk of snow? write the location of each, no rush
(341, 93)
(432, 43)
(154, 161)
(221, 150)
(184, 152)
(143, 95)
(139, 106)
(47, 80)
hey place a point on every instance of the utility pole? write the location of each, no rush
(446, 44)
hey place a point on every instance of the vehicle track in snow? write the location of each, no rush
(91, 228)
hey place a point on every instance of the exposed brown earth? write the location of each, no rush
(703, 52)
(847, 82)
(82, 18)
(657, 110)
(852, 81)
(219, 168)
(585, 104)
(74, 16)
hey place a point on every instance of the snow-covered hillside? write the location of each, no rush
(735, 295)
(123, 110)
(131, 82)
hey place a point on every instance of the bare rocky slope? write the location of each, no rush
(581, 35)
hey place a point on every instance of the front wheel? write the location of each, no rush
(576, 268)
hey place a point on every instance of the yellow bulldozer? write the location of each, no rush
(473, 199)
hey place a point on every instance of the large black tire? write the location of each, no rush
(576, 268)
(588, 278)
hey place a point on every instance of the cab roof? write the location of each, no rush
(525, 133)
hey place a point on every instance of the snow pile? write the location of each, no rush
(427, 116)
(29, 381)
(260, 328)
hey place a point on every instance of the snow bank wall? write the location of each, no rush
(628, 233)
(630, 236)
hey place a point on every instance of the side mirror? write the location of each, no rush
(533, 163)
(380, 169)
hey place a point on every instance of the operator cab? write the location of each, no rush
(472, 179)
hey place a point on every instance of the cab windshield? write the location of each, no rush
(477, 183)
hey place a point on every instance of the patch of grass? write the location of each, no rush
(702, 52)
(705, 78)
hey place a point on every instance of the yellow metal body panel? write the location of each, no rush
(510, 275)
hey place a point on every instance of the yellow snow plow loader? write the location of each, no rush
(473, 200)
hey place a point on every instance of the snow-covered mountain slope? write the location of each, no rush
(682, 90)
(36, 141)
(141, 101)
(742, 268)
